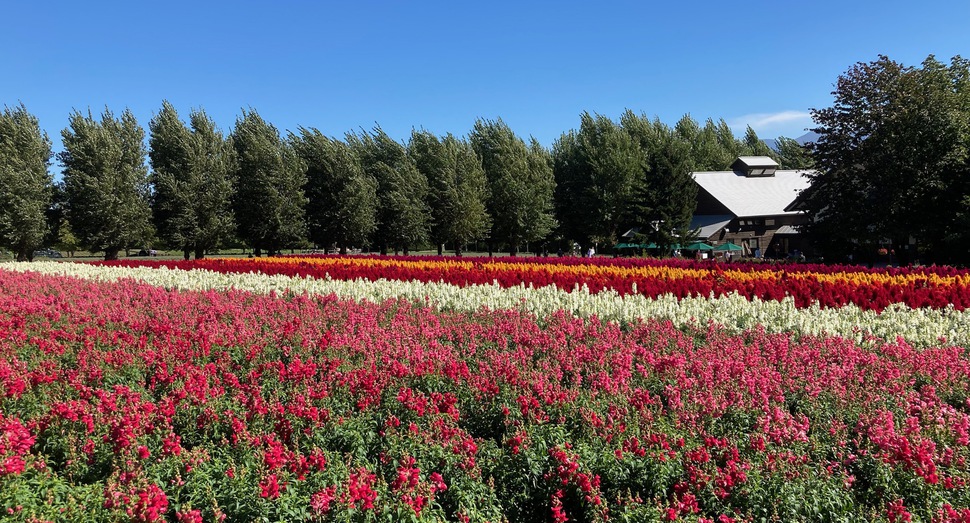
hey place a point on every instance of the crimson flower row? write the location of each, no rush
(935, 288)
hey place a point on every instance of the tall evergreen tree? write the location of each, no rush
(457, 188)
(25, 182)
(106, 181)
(268, 200)
(342, 198)
(191, 179)
(521, 184)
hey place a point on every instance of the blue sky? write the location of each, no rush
(344, 66)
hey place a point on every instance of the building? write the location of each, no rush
(751, 205)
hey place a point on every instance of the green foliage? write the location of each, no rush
(342, 198)
(892, 160)
(66, 240)
(754, 146)
(25, 183)
(106, 181)
(402, 212)
(793, 155)
(521, 184)
(269, 177)
(597, 170)
(666, 193)
(190, 176)
(457, 188)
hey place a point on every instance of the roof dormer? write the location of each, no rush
(754, 166)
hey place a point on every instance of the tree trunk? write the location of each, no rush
(490, 249)
(343, 249)
(441, 249)
(406, 250)
(458, 250)
(186, 252)
(383, 249)
(257, 251)
(22, 255)
(513, 250)
(111, 253)
(199, 253)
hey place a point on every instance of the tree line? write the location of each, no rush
(191, 188)
(889, 171)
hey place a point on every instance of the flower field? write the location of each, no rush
(830, 286)
(408, 389)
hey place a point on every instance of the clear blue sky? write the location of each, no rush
(343, 66)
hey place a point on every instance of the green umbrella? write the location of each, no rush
(698, 246)
(729, 246)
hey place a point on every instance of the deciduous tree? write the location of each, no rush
(25, 182)
(596, 170)
(666, 194)
(402, 210)
(191, 180)
(457, 188)
(891, 160)
(268, 201)
(521, 184)
(341, 197)
(106, 181)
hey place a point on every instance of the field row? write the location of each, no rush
(921, 327)
(805, 284)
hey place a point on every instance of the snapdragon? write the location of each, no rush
(919, 327)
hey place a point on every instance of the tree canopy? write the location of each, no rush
(268, 201)
(521, 184)
(191, 181)
(892, 162)
(597, 171)
(341, 196)
(403, 215)
(25, 182)
(106, 181)
(457, 188)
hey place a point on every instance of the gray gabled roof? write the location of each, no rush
(753, 196)
(708, 225)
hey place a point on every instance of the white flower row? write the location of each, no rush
(919, 327)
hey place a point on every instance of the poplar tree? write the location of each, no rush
(25, 182)
(106, 181)
(596, 173)
(268, 200)
(341, 197)
(457, 188)
(191, 180)
(521, 184)
(666, 194)
(402, 212)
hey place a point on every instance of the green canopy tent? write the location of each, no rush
(698, 246)
(728, 247)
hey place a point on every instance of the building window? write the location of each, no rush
(769, 221)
